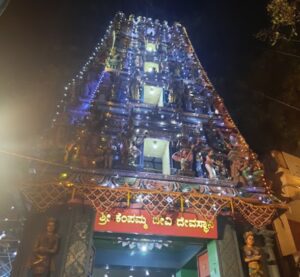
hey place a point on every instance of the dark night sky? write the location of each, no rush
(43, 43)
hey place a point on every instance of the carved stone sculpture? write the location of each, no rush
(252, 256)
(46, 246)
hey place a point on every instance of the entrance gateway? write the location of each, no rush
(151, 244)
(144, 172)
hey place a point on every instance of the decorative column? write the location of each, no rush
(187, 273)
(224, 255)
(269, 250)
(73, 256)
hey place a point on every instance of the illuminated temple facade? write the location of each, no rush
(146, 171)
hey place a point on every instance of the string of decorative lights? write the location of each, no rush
(99, 47)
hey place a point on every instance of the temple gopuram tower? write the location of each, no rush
(143, 171)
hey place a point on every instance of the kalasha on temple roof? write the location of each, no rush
(142, 127)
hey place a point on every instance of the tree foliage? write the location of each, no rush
(261, 102)
(284, 16)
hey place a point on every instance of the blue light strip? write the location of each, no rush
(78, 113)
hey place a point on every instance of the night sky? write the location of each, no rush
(44, 43)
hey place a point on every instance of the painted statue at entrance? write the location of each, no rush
(46, 246)
(252, 256)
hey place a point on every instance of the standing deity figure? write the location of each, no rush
(199, 163)
(71, 152)
(135, 88)
(197, 156)
(108, 155)
(185, 157)
(239, 163)
(209, 165)
(252, 256)
(124, 149)
(134, 152)
(46, 246)
(171, 96)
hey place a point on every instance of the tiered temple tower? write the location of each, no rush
(141, 127)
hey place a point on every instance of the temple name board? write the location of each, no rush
(141, 222)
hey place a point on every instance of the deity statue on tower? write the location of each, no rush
(209, 165)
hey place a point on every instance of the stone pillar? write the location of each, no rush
(213, 259)
(269, 250)
(75, 230)
(224, 255)
(186, 273)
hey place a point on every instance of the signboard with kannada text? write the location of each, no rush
(134, 221)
